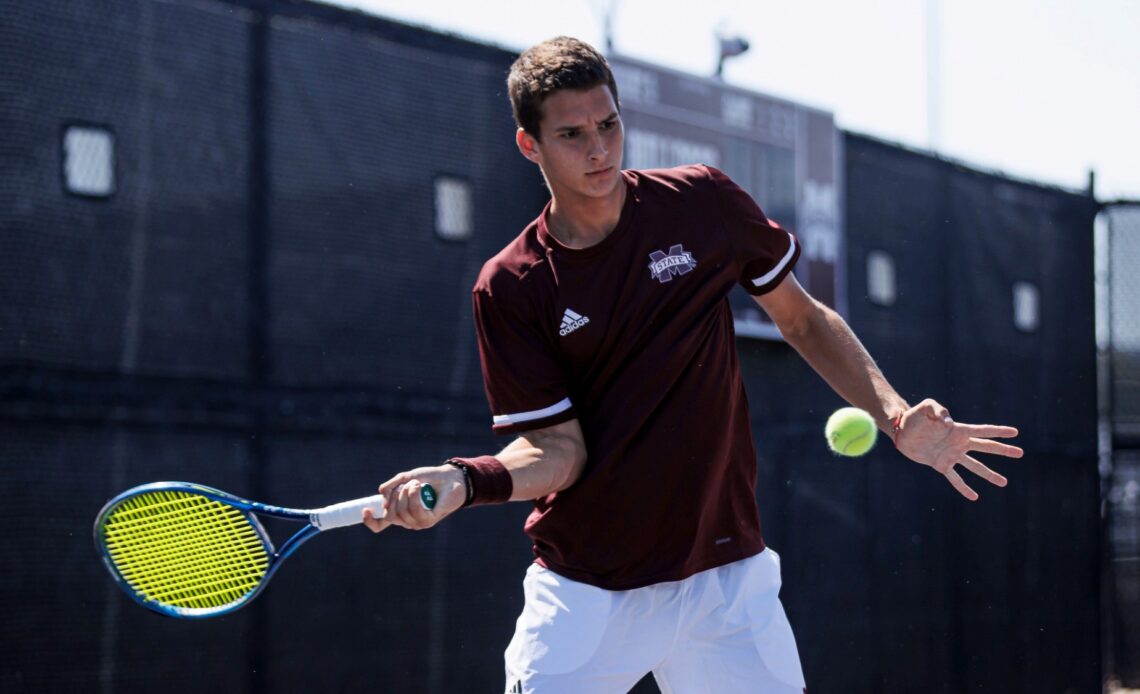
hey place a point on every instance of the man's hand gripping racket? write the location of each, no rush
(190, 551)
(402, 492)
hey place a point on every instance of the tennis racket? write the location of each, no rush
(185, 550)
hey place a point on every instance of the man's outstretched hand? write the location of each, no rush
(929, 436)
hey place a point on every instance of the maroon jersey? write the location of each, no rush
(634, 338)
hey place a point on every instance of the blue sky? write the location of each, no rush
(1039, 89)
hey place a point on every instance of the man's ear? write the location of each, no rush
(528, 146)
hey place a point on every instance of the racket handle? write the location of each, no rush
(348, 512)
(352, 512)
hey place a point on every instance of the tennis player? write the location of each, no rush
(608, 351)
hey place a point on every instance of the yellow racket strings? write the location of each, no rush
(185, 550)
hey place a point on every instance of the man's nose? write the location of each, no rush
(597, 149)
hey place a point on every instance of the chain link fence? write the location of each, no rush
(1119, 345)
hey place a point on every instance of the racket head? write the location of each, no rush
(184, 550)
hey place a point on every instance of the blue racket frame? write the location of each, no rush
(247, 507)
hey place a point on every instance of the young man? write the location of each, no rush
(608, 350)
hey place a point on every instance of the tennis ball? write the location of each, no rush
(851, 431)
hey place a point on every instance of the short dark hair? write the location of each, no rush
(559, 63)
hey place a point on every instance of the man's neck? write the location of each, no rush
(580, 222)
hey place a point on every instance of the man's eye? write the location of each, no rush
(569, 134)
(608, 125)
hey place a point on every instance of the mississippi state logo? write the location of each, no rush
(663, 267)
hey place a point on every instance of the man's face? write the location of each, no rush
(581, 148)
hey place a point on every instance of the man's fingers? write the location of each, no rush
(414, 508)
(406, 510)
(398, 508)
(990, 431)
(372, 523)
(984, 472)
(388, 488)
(934, 410)
(995, 447)
(959, 484)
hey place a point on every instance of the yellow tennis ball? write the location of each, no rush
(851, 431)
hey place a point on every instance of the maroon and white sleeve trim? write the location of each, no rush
(503, 420)
(780, 266)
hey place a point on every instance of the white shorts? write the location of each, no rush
(722, 630)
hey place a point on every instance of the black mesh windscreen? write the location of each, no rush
(981, 583)
(127, 281)
(426, 610)
(68, 625)
(356, 268)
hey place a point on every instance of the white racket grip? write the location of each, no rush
(348, 512)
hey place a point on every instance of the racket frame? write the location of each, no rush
(248, 509)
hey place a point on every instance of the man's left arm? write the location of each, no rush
(925, 433)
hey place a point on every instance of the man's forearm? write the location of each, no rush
(539, 462)
(544, 461)
(828, 344)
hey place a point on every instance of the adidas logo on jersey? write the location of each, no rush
(571, 321)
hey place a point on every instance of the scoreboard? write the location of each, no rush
(787, 156)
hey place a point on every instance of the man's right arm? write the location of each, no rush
(540, 462)
(544, 461)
